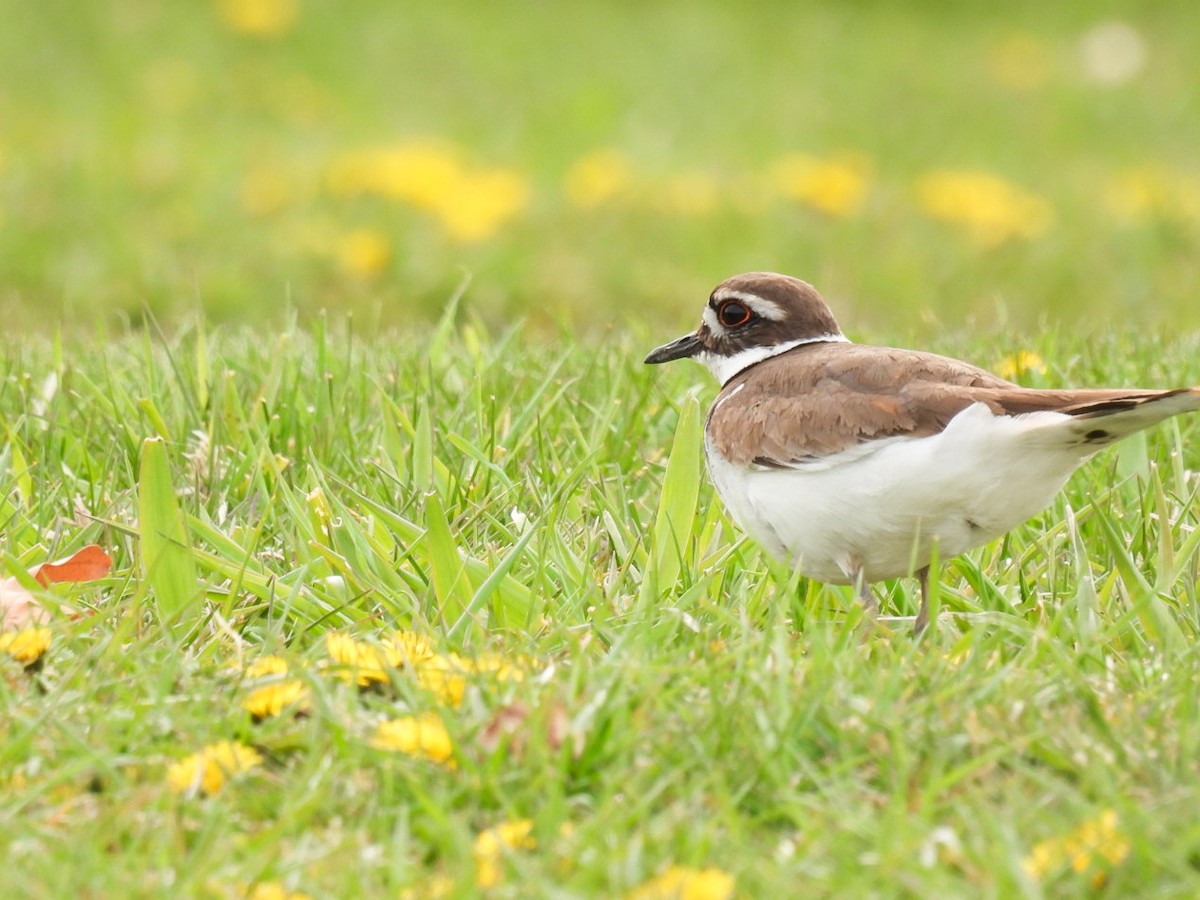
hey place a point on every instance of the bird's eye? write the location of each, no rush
(732, 314)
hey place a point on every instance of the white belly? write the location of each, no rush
(886, 508)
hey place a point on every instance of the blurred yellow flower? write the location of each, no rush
(368, 664)
(492, 844)
(471, 205)
(597, 178)
(682, 883)
(260, 18)
(363, 252)
(423, 736)
(27, 645)
(274, 890)
(1149, 192)
(1097, 846)
(836, 185)
(265, 666)
(989, 208)
(272, 699)
(207, 770)
(481, 204)
(1020, 364)
(445, 674)
(1020, 61)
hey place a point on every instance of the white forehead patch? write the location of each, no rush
(767, 309)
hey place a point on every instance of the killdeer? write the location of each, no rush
(858, 463)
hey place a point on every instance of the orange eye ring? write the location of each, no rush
(733, 313)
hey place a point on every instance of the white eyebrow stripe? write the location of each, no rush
(768, 309)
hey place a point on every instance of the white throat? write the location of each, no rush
(725, 367)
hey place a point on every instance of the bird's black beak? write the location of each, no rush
(688, 345)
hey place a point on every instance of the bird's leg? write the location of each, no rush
(923, 613)
(863, 588)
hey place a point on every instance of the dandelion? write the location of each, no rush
(445, 674)
(26, 646)
(682, 883)
(597, 178)
(363, 252)
(274, 890)
(266, 666)
(272, 699)
(1150, 192)
(1017, 365)
(368, 664)
(990, 209)
(258, 18)
(1095, 846)
(422, 736)
(689, 193)
(492, 844)
(481, 204)
(206, 772)
(835, 186)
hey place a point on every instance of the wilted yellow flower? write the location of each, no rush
(27, 645)
(682, 883)
(364, 252)
(274, 890)
(836, 185)
(1020, 364)
(261, 18)
(207, 770)
(1020, 61)
(266, 666)
(597, 178)
(271, 699)
(1097, 846)
(369, 664)
(423, 736)
(990, 209)
(1149, 192)
(492, 844)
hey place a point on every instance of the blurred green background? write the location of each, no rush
(591, 163)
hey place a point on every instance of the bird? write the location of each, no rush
(859, 463)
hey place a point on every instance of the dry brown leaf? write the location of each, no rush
(20, 609)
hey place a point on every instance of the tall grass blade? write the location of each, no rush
(167, 564)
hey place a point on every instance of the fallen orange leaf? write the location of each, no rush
(87, 564)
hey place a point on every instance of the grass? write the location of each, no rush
(468, 448)
(502, 495)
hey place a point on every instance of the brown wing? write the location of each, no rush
(821, 399)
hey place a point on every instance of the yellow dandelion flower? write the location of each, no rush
(363, 252)
(205, 772)
(369, 664)
(1020, 364)
(258, 18)
(1097, 845)
(682, 883)
(27, 645)
(420, 173)
(272, 699)
(990, 209)
(492, 845)
(597, 178)
(436, 887)
(1150, 192)
(481, 204)
(423, 736)
(444, 676)
(267, 666)
(1020, 61)
(835, 186)
(274, 890)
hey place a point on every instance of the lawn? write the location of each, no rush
(428, 595)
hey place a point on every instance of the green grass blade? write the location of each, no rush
(167, 563)
(675, 521)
